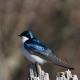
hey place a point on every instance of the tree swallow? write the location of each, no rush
(37, 52)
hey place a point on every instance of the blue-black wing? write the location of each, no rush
(37, 47)
(34, 46)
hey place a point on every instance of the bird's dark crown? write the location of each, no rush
(27, 34)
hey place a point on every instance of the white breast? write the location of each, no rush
(33, 58)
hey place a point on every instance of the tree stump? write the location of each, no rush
(67, 75)
(32, 75)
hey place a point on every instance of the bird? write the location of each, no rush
(37, 52)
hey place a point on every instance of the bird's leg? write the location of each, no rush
(34, 69)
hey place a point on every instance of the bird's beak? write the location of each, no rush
(19, 35)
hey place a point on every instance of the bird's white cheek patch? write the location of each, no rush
(24, 39)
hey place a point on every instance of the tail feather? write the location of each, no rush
(59, 62)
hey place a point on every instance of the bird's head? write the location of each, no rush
(27, 34)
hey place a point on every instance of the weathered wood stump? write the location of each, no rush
(32, 75)
(67, 75)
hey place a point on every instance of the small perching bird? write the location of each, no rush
(37, 52)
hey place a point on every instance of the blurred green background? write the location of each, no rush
(55, 22)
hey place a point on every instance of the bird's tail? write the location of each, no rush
(59, 62)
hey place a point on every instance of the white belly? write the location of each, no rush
(33, 58)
